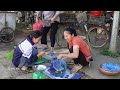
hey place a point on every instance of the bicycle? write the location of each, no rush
(96, 31)
(6, 33)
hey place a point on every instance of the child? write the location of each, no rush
(26, 53)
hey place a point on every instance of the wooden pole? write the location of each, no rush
(114, 34)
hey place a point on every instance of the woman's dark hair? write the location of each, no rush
(71, 31)
(36, 34)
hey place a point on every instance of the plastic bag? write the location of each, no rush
(58, 68)
(9, 55)
(38, 25)
(46, 23)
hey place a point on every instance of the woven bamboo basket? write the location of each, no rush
(108, 72)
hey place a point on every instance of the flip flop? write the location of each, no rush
(28, 70)
(45, 49)
(76, 68)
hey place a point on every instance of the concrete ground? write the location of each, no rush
(91, 72)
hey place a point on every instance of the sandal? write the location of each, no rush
(45, 48)
(76, 68)
(27, 70)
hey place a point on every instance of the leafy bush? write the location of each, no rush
(105, 51)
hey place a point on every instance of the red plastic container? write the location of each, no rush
(96, 13)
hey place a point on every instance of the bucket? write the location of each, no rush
(38, 75)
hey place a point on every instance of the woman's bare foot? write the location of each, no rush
(46, 46)
(52, 49)
(24, 68)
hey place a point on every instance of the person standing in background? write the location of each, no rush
(53, 17)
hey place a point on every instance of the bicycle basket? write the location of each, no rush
(96, 20)
(58, 68)
(64, 18)
(81, 17)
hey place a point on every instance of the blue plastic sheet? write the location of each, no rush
(67, 75)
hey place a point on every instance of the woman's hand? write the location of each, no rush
(41, 53)
(60, 56)
(38, 46)
(52, 20)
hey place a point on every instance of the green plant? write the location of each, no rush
(105, 51)
(9, 55)
(39, 59)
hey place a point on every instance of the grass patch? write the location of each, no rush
(105, 51)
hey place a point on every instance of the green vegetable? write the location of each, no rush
(9, 55)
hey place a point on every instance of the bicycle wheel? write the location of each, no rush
(61, 42)
(7, 34)
(97, 36)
